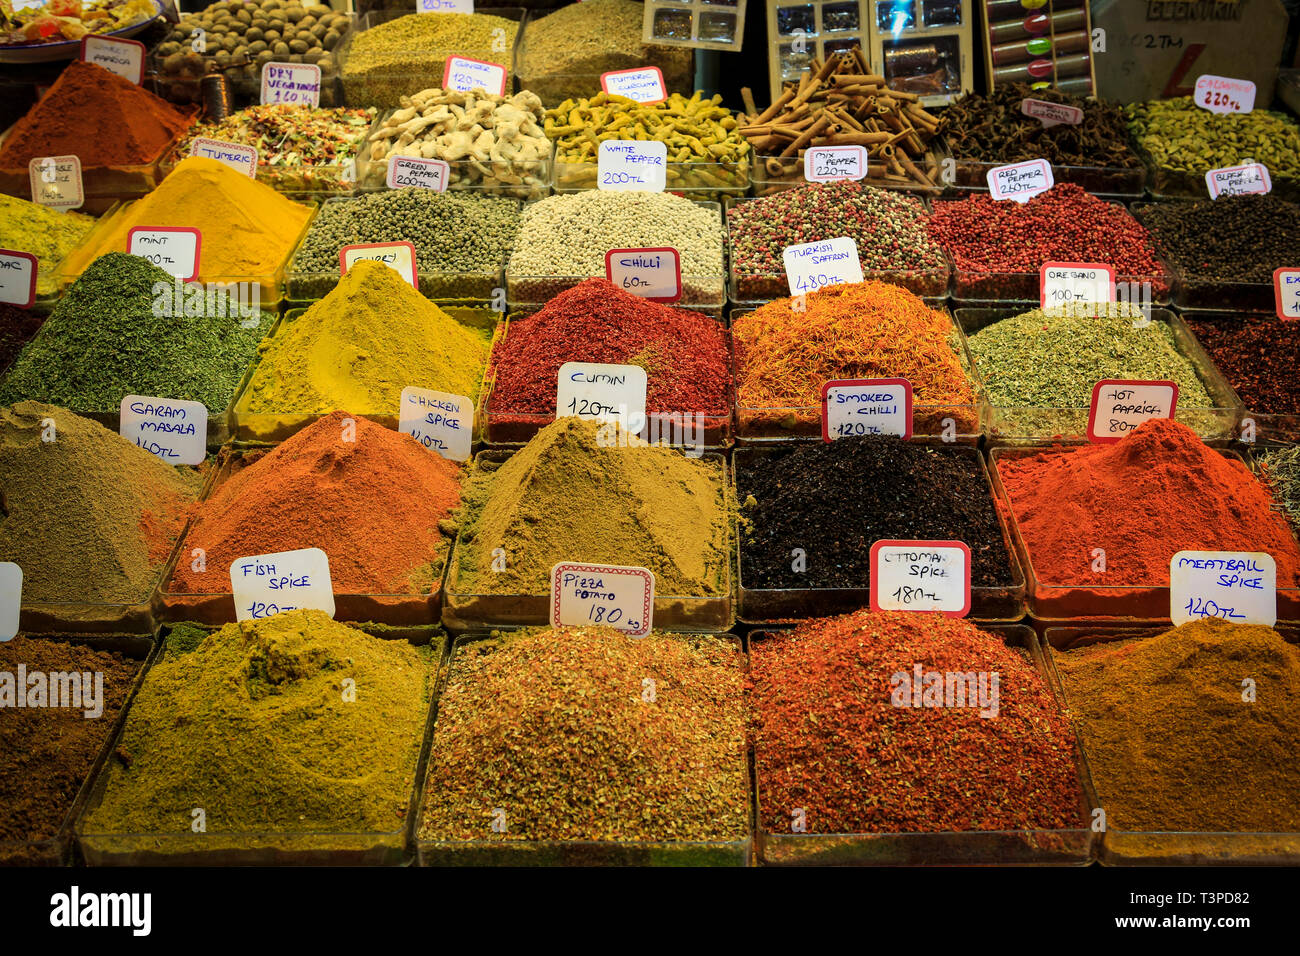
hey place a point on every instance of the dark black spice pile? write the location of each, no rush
(835, 500)
(17, 326)
(1259, 355)
(1236, 238)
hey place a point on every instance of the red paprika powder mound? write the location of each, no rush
(98, 116)
(372, 504)
(1159, 491)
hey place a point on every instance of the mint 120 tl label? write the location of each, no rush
(594, 595)
(267, 584)
(173, 249)
(1237, 586)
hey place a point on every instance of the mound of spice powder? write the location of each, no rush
(252, 725)
(48, 234)
(88, 516)
(556, 731)
(370, 497)
(1259, 355)
(1170, 742)
(840, 734)
(654, 507)
(46, 752)
(684, 353)
(835, 499)
(1143, 499)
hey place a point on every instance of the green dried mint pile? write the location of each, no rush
(586, 734)
(126, 327)
(1182, 137)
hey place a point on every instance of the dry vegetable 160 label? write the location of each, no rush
(602, 594)
(11, 598)
(266, 584)
(297, 84)
(439, 421)
(866, 406)
(921, 576)
(1236, 586)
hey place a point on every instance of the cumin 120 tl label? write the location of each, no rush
(11, 599)
(602, 392)
(173, 249)
(18, 278)
(235, 155)
(605, 595)
(1249, 179)
(921, 576)
(1286, 292)
(1020, 181)
(56, 181)
(810, 266)
(1065, 283)
(440, 421)
(626, 165)
(416, 171)
(654, 274)
(266, 584)
(1223, 94)
(644, 84)
(173, 429)
(866, 406)
(464, 74)
(1238, 586)
(1119, 406)
(828, 164)
(123, 57)
(297, 84)
(398, 256)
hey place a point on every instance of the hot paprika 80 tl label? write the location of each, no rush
(1119, 406)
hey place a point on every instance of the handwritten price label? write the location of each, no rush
(297, 84)
(1064, 283)
(624, 165)
(398, 256)
(56, 182)
(267, 584)
(812, 265)
(644, 84)
(1286, 292)
(173, 429)
(602, 594)
(18, 278)
(921, 576)
(174, 249)
(1020, 182)
(1119, 406)
(602, 392)
(235, 155)
(1051, 114)
(1237, 586)
(465, 74)
(123, 57)
(440, 421)
(654, 274)
(1245, 180)
(416, 171)
(828, 164)
(866, 406)
(1223, 94)
(11, 599)
(444, 6)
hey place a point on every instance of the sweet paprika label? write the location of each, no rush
(1119, 406)
(654, 274)
(625, 165)
(174, 429)
(810, 266)
(11, 599)
(644, 84)
(266, 584)
(828, 164)
(464, 74)
(1020, 181)
(56, 181)
(1236, 586)
(607, 595)
(1286, 292)
(416, 171)
(866, 406)
(18, 278)
(398, 256)
(439, 421)
(123, 57)
(1064, 283)
(602, 392)
(1223, 94)
(921, 576)
(174, 249)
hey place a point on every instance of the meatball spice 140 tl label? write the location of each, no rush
(266, 584)
(1120, 406)
(866, 406)
(602, 594)
(921, 576)
(1237, 586)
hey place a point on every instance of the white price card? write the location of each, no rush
(921, 576)
(266, 584)
(602, 595)
(174, 249)
(602, 392)
(644, 84)
(399, 256)
(828, 164)
(235, 155)
(626, 165)
(440, 421)
(811, 265)
(1249, 179)
(173, 429)
(1119, 406)
(1286, 292)
(1020, 181)
(56, 181)
(654, 274)
(297, 84)
(18, 278)
(465, 74)
(1223, 94)
(866, 406)
(1238, 586)
(11, 599)
(419, 172)
(123, 57)
(1051, 114)
(1065, 283)
(444, 6)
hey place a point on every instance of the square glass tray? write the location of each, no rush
(698, 180)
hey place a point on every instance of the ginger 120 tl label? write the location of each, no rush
(1286, 292)
(628, 165)
(266, 584)
(1119, 406)
(1249, 179)
(173, 429)
(654, 274)
(921, 576)
(1020, 181)
(866, 406)
(440, 421)
(421, 173)
(1223, 94)
(297, 84)
(123, 57)
(602, 392)
(235, 155)
(810, 266)
(56, 181)
(1237, 586)
(644, 84)
(605, 595)
(18, 278)
(465, 74)
(1051, 114)
(11, 599)
(173, 249)
(398, 256)
(1065, 283)
(828, 164)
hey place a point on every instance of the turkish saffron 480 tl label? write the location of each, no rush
(810, 266)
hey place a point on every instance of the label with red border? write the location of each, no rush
(1065, 283)
(56, 181)
(866, 406)
(602, 595)
(399, 256)
(921, 576)
(18, 278)
(828, 164)
(1051, 114)
(419, 172)
(1236, 586)
(1249, 179)
(645, 84)
(1223, 94)
(1020, 181)
(465, 74)
(1120, 405)
(267, 584)
(11, 599)
(123, 57)
(235, 155)
(654, 274)
(1286, 292)
(439, 421)
(174, 249)
(297, 84)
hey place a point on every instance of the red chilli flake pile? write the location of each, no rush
(831, 741)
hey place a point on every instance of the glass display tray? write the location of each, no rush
(773, 174)
(696, 180)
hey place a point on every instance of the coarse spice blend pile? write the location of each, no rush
(840, 736)
(887, 226)
(252, 725)
(1259, 355)
(1280, 469)
(370, 497)
(584, 734)
(48, 234)
(1172, 745)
